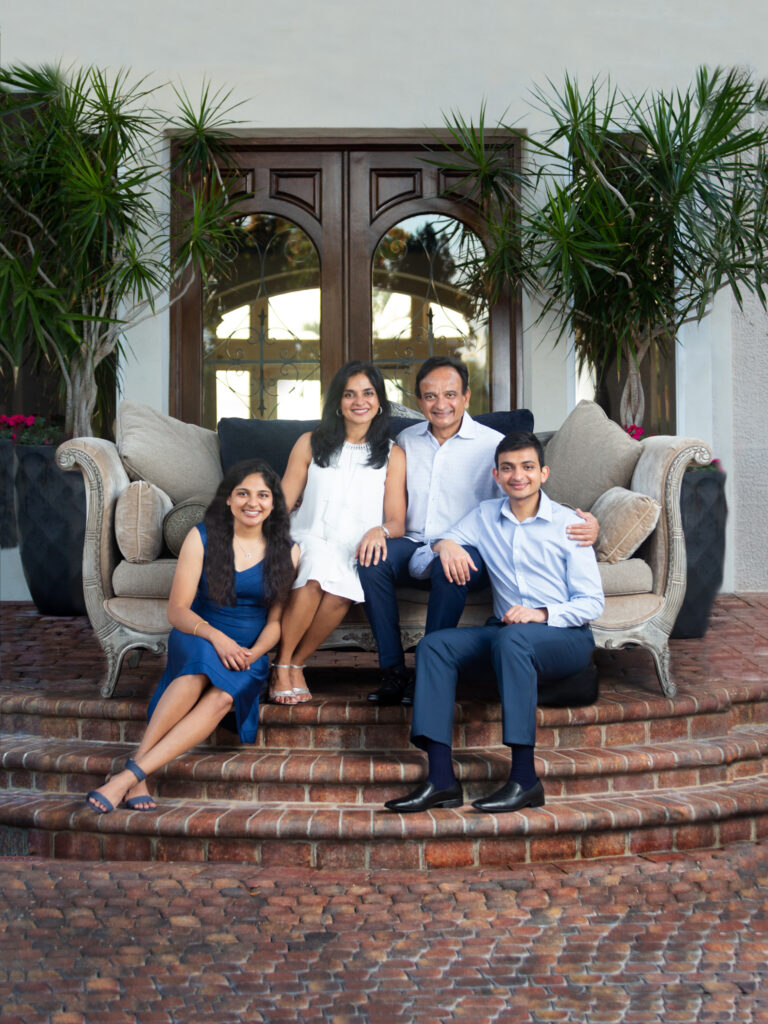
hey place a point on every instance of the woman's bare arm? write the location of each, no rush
(295, 478)
(373, 546)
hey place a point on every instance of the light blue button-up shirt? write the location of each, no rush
(533, 563)
(446, 480)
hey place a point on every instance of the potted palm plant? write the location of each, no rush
(626, 218)
(90, 170)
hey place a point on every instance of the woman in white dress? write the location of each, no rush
(351, 479)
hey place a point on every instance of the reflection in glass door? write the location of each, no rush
(346, 249)
(262, 326)
(423, 306)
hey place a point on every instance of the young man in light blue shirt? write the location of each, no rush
(448, 459)
(546, 591)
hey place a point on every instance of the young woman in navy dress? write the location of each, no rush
(234, 574)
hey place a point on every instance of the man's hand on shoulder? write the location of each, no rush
(456, 563)
(585, 534)
(519, 613)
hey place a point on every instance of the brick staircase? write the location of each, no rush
(636, 772)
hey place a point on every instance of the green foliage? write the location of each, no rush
(629, 214)
(87, 246)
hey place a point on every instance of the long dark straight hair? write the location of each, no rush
(219, 522)
(328, 437)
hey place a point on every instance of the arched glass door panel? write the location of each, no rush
(423, 305)
(261, 326)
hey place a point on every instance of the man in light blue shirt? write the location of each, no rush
(449, 459)
(546, 591)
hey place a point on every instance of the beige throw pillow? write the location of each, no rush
(587, 456)
(626, 519)
(181, 458)
(182, 517)
(139, 515)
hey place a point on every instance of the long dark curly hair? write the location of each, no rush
(328, 436)
(219, 522)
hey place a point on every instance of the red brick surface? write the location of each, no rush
(635, 940)
(635, 773)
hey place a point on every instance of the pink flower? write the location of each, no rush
(29, 421)
(634, 431)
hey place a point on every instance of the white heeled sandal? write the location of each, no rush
(273, 694)
(301, 692)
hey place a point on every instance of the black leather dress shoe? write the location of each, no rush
(425, 796)
(394, 686)
(511, 797)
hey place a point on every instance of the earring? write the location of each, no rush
(380, 411)
(338, 412)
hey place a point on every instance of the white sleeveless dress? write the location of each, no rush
(340, 503)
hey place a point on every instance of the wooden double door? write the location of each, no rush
(349, 250)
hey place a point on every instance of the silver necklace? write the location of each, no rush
(246, 553)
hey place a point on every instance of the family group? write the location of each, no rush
(276, 565)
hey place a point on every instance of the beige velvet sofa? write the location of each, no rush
(594, 465)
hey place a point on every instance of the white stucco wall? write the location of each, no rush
(748, 492)
(347, 64)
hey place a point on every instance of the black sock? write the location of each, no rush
(440, 765)
(522, 769)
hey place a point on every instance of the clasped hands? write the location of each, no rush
(232, 655)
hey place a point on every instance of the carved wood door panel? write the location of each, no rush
(346, 251)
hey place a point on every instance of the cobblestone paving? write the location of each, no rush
(669, 938)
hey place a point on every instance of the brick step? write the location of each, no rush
(343, 719)
(356, 777)
(340, 835)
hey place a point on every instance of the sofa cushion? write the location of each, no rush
(626, 612)
(181, 518)
(632, 576)
(180, 458)
(260, 439)
(152, 580)
(147, 615)
(626, 519)
(587, 456)
(273, 439)
(507, 421)
(139, 514)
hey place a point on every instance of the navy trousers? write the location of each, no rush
(518, 654)
(446, 599)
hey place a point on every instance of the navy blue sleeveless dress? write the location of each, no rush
(190, 655)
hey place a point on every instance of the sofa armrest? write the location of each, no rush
(105, 479)
(659, 473)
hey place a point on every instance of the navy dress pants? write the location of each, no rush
(518, 654)
(446, 599)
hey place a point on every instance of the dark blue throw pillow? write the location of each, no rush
(260, 439)
(507, 421)
(272, 439)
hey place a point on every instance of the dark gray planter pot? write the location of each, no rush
(50, 515)
(8, 536)
(704, 513)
